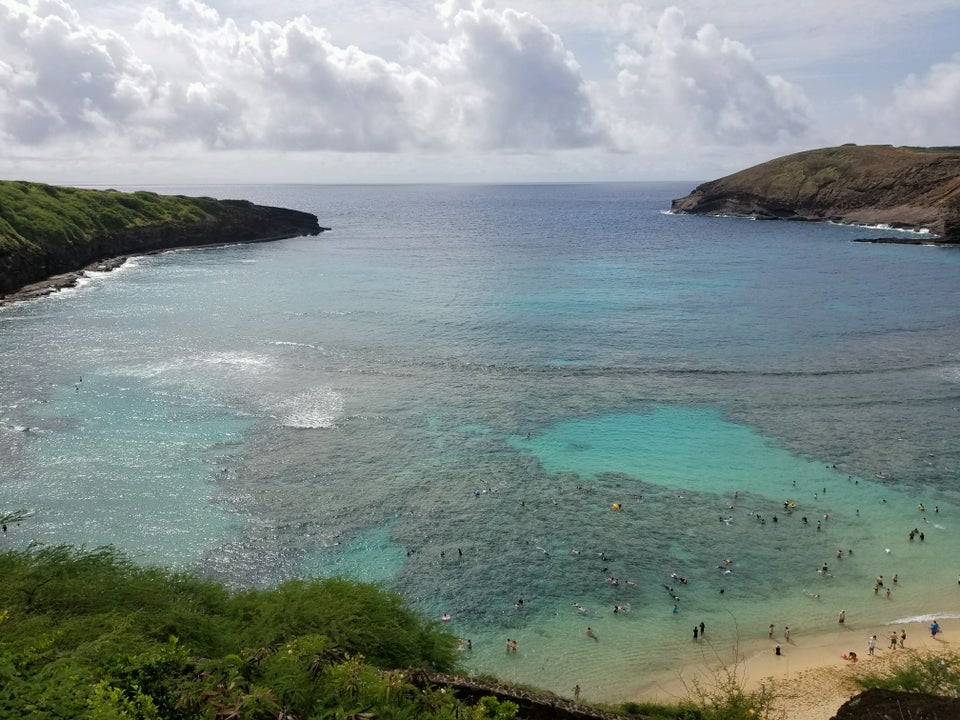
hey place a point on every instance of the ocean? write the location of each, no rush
(477, 394)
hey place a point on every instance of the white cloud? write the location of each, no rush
(704, 88)
(63, 78)
(516, 85)
(926, 110)
(561, 85)
(501, 80)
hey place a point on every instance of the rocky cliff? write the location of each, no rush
(48, 231)
(902, 187)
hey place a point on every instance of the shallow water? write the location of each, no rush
(487, 371)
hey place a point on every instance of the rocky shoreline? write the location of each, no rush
(908, 188)
(931, 241)
(63, 281)
(50, 235)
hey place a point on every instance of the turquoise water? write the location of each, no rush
(449, 393)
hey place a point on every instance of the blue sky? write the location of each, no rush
(184, 91)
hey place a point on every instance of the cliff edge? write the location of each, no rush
(904, 187)
(48, 231)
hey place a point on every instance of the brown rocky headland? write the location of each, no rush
(902, 187)
(50, 235)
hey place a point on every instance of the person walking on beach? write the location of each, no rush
(934, 628)
(893, 640)
(903, 637)
(871, 644)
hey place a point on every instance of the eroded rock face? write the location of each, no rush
(902, 187)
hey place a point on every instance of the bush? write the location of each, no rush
(88, 634)
(936, 674)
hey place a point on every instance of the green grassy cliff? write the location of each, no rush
(46, 230)
(875, 184)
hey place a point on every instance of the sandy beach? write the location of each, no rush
(810, 678)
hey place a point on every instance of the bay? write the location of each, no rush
(476, 394)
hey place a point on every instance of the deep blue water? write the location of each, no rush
(487, 370)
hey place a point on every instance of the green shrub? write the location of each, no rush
(88, 634)
(936, 674)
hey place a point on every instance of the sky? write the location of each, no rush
(476, 91)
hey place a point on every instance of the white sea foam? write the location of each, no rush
(224, 362)
(951, 373)
(294, 344)
(924, 618)
(128, 264)
(883, 226)
(315, 408)
(235, 360)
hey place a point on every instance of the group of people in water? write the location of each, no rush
(726, 567)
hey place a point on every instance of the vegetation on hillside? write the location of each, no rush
(47, 230)
(45, 215)
(90, 635)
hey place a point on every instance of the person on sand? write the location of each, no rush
(893, 640)
(903, 637)
(871, 644)
(776, 650)
(934, 628)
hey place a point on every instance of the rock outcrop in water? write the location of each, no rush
(49, 234)
(902, 187)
